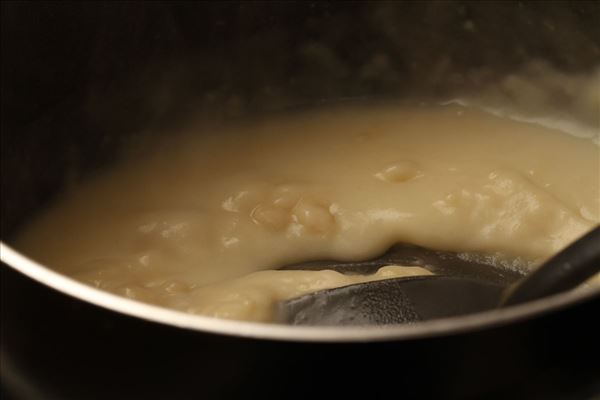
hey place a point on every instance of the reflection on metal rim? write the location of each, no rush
(179, 319)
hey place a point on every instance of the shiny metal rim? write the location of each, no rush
(183, 320)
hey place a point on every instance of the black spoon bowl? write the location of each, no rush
(471, 288)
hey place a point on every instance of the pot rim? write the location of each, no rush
(256, 330)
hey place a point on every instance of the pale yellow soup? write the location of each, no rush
(195, 224)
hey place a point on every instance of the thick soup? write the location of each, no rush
(202, 223)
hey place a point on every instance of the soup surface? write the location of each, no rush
(200, 223)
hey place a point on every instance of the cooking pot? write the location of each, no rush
(81, 81)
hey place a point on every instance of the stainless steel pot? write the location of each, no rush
(81, 80)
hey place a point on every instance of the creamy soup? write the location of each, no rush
(201, 223)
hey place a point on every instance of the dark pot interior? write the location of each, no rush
(81, 80)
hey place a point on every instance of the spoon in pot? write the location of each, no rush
(473, 287)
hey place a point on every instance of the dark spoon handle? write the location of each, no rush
(566, 270)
